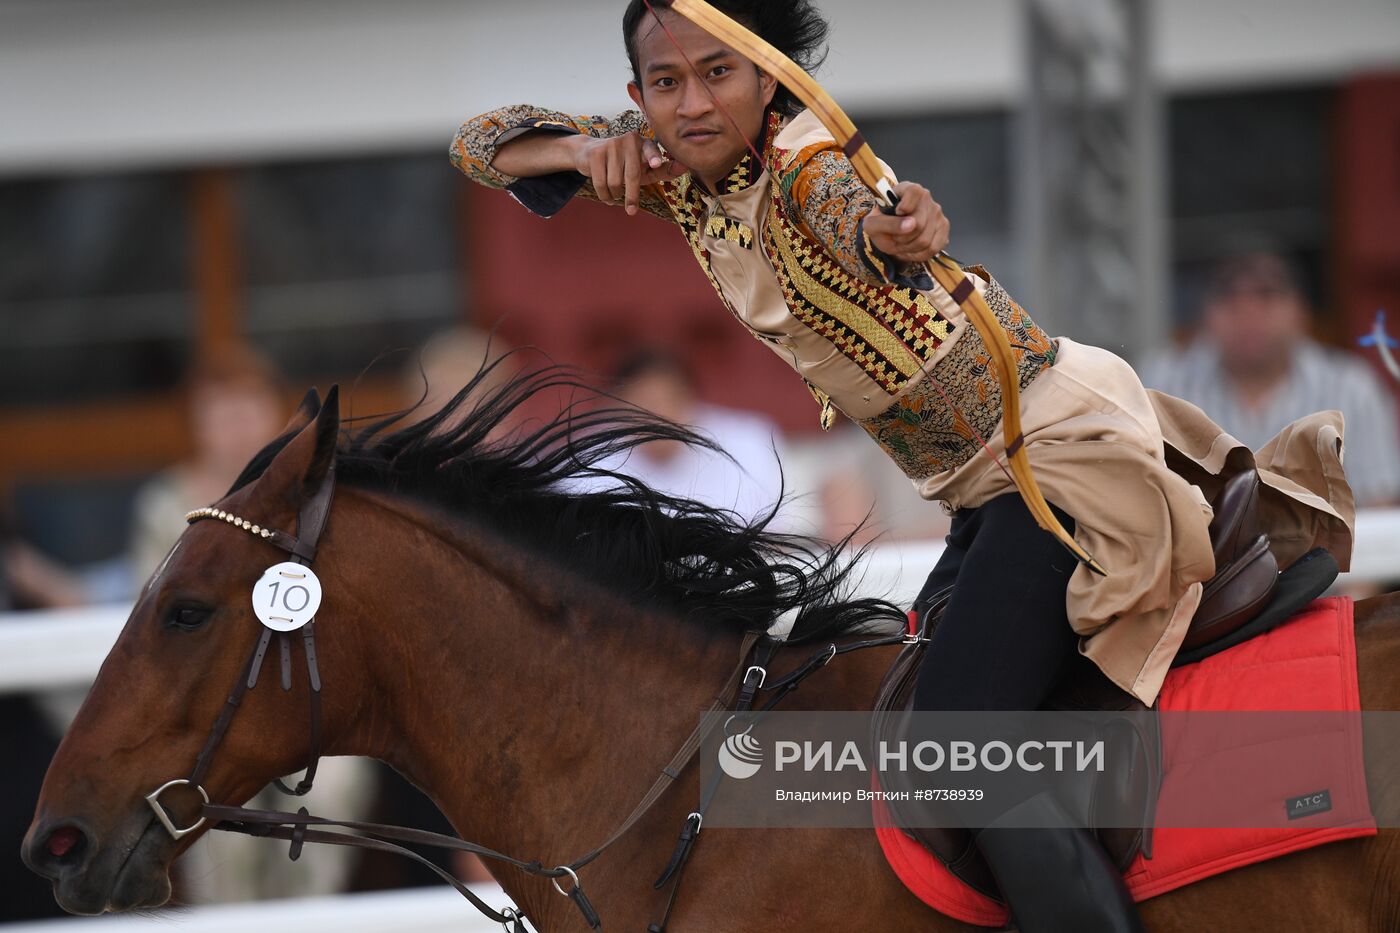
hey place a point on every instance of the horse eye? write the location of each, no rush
(189, 617)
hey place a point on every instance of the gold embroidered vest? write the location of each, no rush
(938, 413)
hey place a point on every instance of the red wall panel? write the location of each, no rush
(590, 285)
(1368, 200)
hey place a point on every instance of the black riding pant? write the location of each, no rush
(1004, 638)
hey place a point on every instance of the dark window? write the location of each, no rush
(964, 159)
(1250, 171)
(346, 260)
(95, 287)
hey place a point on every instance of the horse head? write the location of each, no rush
(165, 682)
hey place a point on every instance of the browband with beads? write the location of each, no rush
(210, 512)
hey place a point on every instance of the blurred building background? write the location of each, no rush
(177, 177)
(181, 178)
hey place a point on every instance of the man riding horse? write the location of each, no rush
(924, 355)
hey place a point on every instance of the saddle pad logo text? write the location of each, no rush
(1307, 804)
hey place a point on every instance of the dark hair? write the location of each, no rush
(234, 367)
(701, 563)
(794, 27)
(1258, 267)
(647, 361)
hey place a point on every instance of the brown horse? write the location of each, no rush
(530, 656)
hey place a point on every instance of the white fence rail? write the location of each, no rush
(421, 910)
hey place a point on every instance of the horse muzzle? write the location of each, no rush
(92, 874)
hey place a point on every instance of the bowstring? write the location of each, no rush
(763, 167)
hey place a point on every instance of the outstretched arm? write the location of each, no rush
(544, 158)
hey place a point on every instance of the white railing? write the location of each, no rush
(422, 910)
(63, 648)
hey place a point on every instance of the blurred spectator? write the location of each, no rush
(855, 484)
(1254, 369)
(235, 406)
(848, 507)
(29, 745)
(29, 579)
(748, 484)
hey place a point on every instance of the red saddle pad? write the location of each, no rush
(1307, 663)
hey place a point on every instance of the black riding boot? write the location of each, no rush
(1058, 879)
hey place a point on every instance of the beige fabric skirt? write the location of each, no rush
(1137, 469)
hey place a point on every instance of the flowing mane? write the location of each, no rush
(539, 487)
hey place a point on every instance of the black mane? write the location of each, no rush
(660, 551)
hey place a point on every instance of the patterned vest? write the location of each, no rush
(939, 416)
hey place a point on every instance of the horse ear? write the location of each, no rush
(298, 469)
(306, 412)
(327, 434)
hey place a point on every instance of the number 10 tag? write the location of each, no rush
(287, 596)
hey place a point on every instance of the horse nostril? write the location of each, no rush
(50, 853)
(63, 841)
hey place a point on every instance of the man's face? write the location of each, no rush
(666, 393)
(1256, 323)
(232, 422)
(687, 113)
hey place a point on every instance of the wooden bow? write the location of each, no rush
(944, 271)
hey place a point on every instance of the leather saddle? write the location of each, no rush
(1243, 598)
(1246, 572)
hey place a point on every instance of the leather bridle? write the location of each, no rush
(311, 521)
(755, 652)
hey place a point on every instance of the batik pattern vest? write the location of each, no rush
(939, 417)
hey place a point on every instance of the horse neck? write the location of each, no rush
(533, 709)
